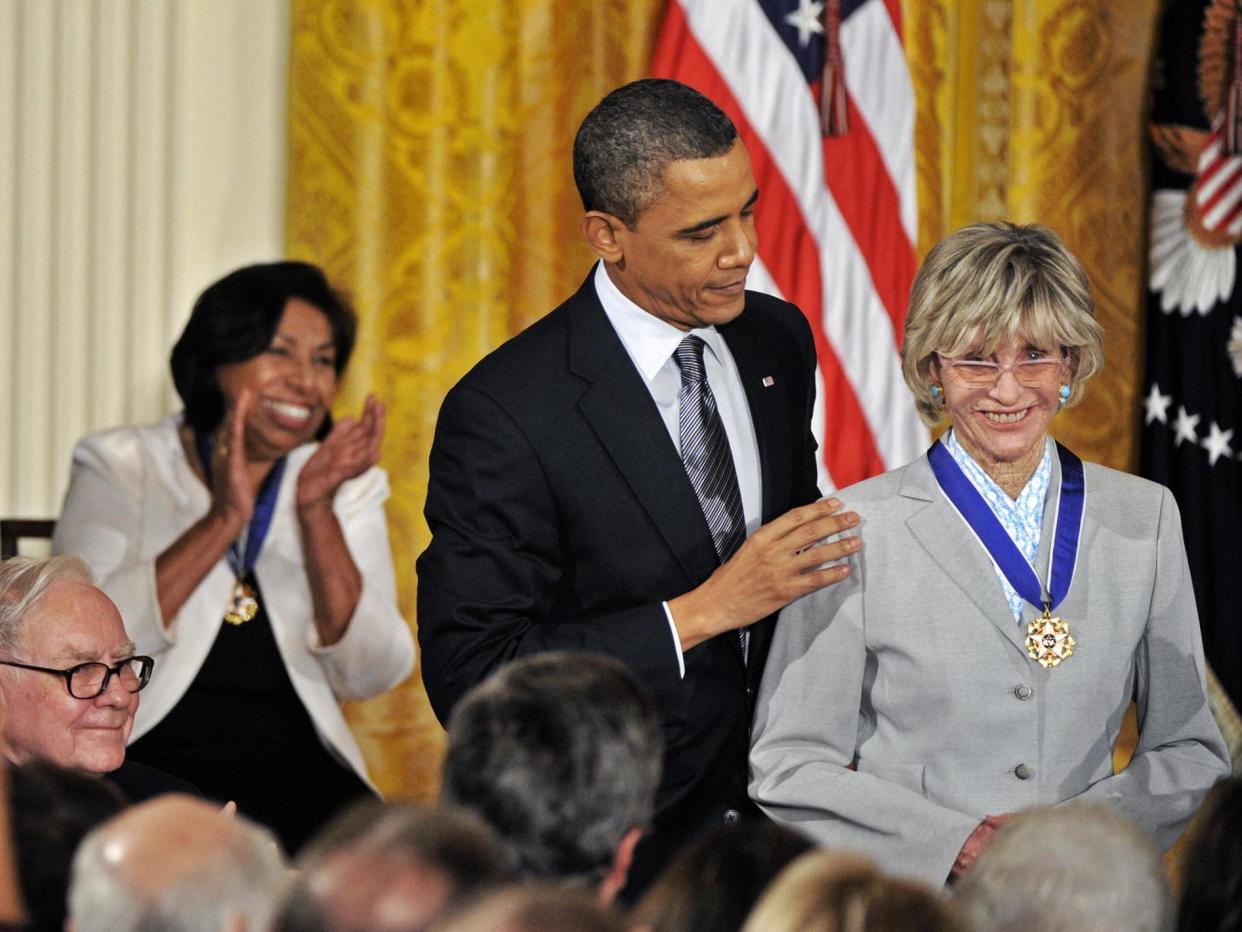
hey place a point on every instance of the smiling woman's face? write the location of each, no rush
(292, 383)
(1004, 422)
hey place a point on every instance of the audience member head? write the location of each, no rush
(630, 138)
(176, 864)
(52, 809)
(560, 754)
(68, 672)
(734, 863)
(1082, 867)
(825, 891)
(1212, 874)
(236, 320)
(536, 908)
(391, 868)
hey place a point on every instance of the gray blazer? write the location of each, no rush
(899, 707)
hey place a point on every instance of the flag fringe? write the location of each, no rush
(834, 115)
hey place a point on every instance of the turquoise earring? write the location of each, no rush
(1064, 393)
(937, 393)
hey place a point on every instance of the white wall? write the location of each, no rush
(142, 155)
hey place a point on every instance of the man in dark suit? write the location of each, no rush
(561, 511)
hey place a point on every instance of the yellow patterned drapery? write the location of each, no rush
(429, 174)
(1033, 111)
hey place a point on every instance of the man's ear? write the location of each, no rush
(601, 230)
(611, 885)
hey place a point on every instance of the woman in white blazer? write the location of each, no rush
(245, 543)
(1007, 605)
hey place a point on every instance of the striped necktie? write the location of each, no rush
(705, 454)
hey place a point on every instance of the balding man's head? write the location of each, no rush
(391, 868)
(175, 864)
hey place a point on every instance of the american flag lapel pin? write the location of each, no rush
(768, 381)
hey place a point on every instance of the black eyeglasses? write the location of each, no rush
(88, 680)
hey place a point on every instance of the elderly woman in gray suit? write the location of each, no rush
(1009, 603)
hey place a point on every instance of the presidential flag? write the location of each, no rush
(1191, 440)
(821, 95)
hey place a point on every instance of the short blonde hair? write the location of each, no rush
(994, 283)
(832, 891)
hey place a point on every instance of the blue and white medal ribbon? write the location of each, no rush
(243, 605)
(1048, 639)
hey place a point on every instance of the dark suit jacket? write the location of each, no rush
(561, 518)
(138, 782)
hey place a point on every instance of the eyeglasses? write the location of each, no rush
(1034, 370)
(88, 680)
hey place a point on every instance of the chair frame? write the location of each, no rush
(13, 530)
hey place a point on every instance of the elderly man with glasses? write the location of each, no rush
(70, 678)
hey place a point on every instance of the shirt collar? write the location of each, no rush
(649, 340)
(1036, 487)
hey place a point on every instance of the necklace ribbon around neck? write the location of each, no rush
(242, 558)
(995, 539)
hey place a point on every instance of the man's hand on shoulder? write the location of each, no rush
(780, 562)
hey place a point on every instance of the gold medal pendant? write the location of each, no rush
(1048, 640)
(243, 606)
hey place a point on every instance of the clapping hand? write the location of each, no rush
(352, 447)
(232, 488)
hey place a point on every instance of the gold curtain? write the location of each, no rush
(1033, 111)
(429, 174)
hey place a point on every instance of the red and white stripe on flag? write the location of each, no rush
(836, 215)
(1218, 187)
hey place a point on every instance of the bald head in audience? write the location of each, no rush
(391, 868)
(176, 864)
(560, 753)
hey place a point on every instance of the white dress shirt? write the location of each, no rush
(1022, 518)
(650, 343)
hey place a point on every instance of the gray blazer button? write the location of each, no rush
(731, 817)
(1023, 692)
(1023, 772)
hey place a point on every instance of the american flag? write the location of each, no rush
(836, 214)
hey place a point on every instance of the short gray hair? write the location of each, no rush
(560, 753)
(24, 581)
(625, 144)
(1000, 281)
(244, 877)
(1074, 866)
